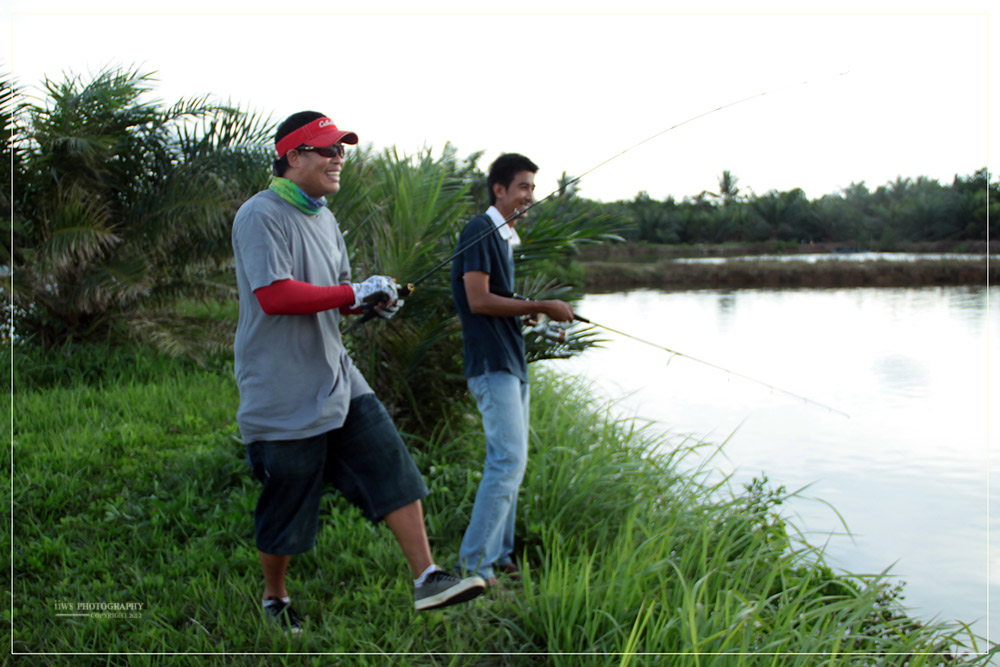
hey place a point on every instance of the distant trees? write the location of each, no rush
(783, 214)
(121, 208)
(920, 209)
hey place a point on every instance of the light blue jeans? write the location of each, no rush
(503, 401)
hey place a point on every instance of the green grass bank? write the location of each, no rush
(132, 505)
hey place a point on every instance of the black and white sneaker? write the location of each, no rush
(441, 589)
(283, 615)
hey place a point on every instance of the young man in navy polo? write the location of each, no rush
(495, 366)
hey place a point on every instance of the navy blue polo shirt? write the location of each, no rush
(489, 343)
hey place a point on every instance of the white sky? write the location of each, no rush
(570, 84)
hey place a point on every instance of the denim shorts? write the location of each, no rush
(365, 459)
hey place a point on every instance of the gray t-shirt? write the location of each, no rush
(295, 378)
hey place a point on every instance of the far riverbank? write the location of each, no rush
(627, 266)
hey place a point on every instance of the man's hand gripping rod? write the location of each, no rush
(402, 292)
(372, 301)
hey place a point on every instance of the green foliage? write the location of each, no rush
(12, 105)
(90, 364)
(123, 212)
(901, 211)
(401, 217)
(122, 207)
(136, 492)
(676, 567)
(779, 212)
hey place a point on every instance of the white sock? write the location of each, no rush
(432, 568)
(268, 602)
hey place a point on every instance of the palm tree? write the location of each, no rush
(11, 106)
(732, 217)
(568, 186)
(728, 192)
(782, 212)
(401, 216)
(122, 209)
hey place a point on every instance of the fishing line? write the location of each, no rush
(566, 185)
(597, 166)
(579, 318)
(407, 290)
(716, 366)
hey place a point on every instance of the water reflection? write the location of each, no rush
(727, 300)
(908, 471)
(902, 376)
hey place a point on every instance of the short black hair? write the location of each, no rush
(504, 169)
(289, 125)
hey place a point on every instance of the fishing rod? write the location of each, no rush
(580, 318)
(370, 302)
(406, 290)
(716, 366)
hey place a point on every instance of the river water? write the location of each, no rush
(908, 470)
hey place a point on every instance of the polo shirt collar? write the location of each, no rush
(506, 231)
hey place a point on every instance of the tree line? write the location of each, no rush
(120, 213)
(907, 209)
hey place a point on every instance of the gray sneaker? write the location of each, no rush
(441, 589)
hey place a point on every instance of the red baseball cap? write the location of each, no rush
(320, 132)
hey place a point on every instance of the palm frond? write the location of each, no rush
(79, 231)
(199, 338)
(562, 227)
(425, 203)
(126, 205)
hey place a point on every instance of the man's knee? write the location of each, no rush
(507, 467)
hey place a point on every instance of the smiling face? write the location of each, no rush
(517, 196)
(317, 175)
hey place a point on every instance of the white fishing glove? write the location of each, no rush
(373, 291)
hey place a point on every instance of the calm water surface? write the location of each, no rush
(908, 471)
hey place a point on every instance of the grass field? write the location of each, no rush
(133, 539)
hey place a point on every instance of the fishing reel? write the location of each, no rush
(369, 303)
(372, 300)
(548, 329)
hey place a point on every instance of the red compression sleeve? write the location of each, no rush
(292, 297)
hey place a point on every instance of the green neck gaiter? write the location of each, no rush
(292, 194)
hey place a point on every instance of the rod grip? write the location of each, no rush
(510, 295)
(368, 309)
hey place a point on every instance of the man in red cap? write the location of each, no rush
(306, 414)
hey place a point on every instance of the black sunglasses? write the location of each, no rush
(326, 151)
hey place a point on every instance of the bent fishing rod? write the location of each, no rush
(579, 318)
(715, 366)
(373, 300)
